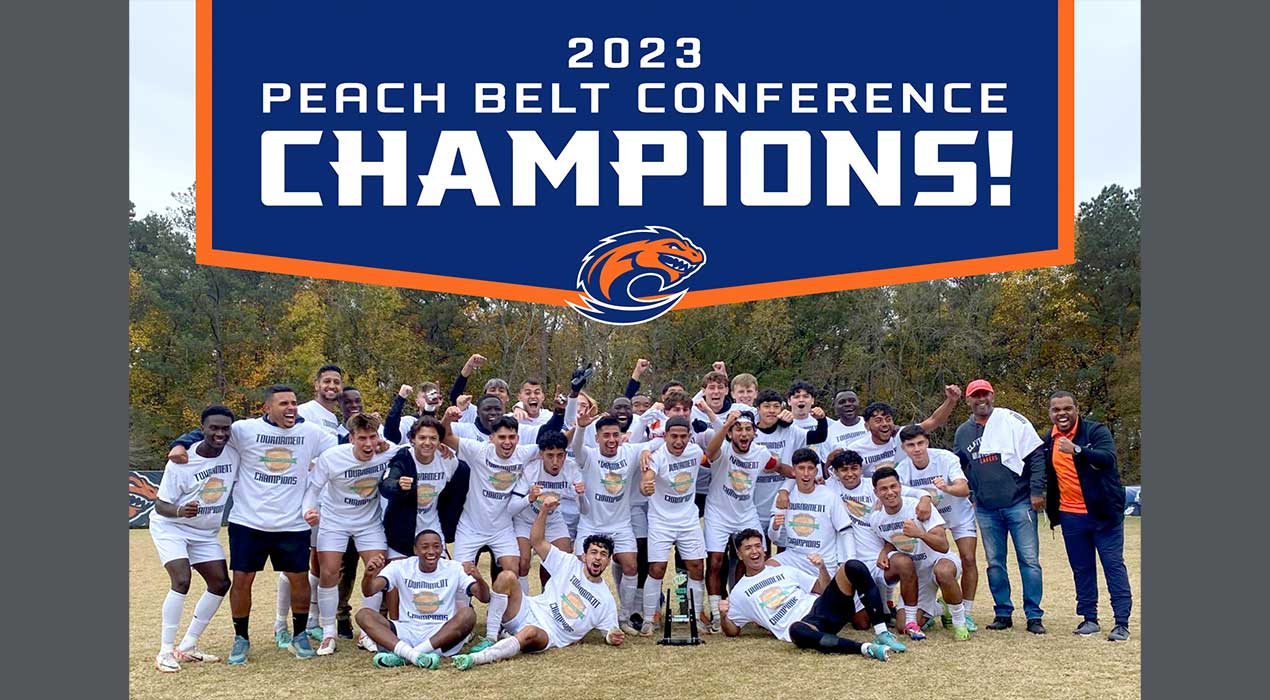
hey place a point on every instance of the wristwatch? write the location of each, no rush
(1076, 449)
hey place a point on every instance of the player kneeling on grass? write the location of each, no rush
(922, 547)
(792, 604)
(184, 527)
(575, 601)
(430, 622)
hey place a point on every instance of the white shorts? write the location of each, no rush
(639, 519)
(568, 510)
(719, 534)
(335, 539)
(688, 540)
(556, 528)
(800, 561)
(623, 539)
(468, 542)
(313, 536)
(416, 633)
(928, 588)
(879, 579)
(967, 529)
(525, 617)
(177, 545)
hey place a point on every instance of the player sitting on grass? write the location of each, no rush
(431, 622)
(575, 600)
(791, 604)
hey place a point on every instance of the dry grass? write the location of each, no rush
(1010, 664)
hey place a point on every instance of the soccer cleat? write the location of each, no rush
(647, 629)
(195, 654)
(889, 641)
(1088, 628)
(165, 662)
(945, 617)
(1035, 626)
(913, 631)
(327, 647)
(387, 659)
(970, 624)
(960, 633)
(430, 661)
(302, 649)
(626, 627)
(1000, 623)
(873, 651)
(282, 637)
(1120, 633)
(637, 620)
(344, 628)
(364, 641)
(462, 661)
(238, 654)
(481, 645)
(928, 624)
(314, 632)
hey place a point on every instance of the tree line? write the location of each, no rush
(200, 335)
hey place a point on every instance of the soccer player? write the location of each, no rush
(777, 432)
(802, 398)
(668, 480)
(814, 521)
(794, 605)
(414, 479)
(736, 465)
(327, 388)
(881, 447)
(493, 387)
(185, 527)
(528, 409)
(489, 411)
(641, 403)
(925, 546)
(431, 622)
(343, 495)
(575, 600)
(938, 472)
(549, 478)
(848, 427)
(744, 390)
(267, 520)
(428, 400)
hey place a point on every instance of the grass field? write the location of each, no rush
(1008, 664)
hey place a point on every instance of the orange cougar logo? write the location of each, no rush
(636, 276)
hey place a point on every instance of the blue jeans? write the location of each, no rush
(1019, 522)
(1084, 535)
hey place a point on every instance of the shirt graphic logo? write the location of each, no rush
(904, 543)
(571, 605)
(773, 597)
(682, 482)
(425, 494)
(636, 276)
(426, 602)
(213, 490)
(741, 480)
(502, 480)
(613, 482)
(803, 524)
(365, 487)
(277, 459)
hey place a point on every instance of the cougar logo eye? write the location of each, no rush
(636, 276)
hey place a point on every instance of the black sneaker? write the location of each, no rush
(1119, 634)
(344, 628)
(637, 620)
(1000, 623)
(1087, 628)
(1035, 626)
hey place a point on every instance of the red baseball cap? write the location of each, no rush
(978, 385)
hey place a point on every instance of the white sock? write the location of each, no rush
(494, 615)
(626, 593)
(504, 649)
(958, 613)
(970, 604)
(652, 596)
(373, 602)
(204, 609)
(282, 616)
(314, 585)
(879, 628)
(714, 606)
(328, 604)
(910, 615)
(424, 647)
(405, 651)
(173, 604)
(524, 585)
(698, 591)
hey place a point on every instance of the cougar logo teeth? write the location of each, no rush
(636, 276)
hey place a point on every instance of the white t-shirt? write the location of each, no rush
(553, 486)
(207, 480)
(609, 482)
(807, 422)
(816, 523)
(407, 422)
(731, 499)
(876, 456)
(890, 527)
(346, 489)
(781, 442)
(273, 472)
(840, 436)
(773, 599)
(571, 604)
(956, 510)
(430, 479)
(544, 416)
(860, 503)
(492, 484)
(528, 433)
(426, 598)
(672, 505)
(314, 412)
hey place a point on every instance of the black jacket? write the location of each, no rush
(1095, 467)
(400, 513)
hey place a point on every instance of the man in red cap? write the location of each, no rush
(1004, 462)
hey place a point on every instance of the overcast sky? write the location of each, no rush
(161, 98)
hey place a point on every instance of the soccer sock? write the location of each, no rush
(524, 585)
(284, 602)
(494, 615)
(328, 600)
(698, 591)
(652, 596)
(314, 585)
(240, 626)
(424, 647)
(298, 623)
(639, 596)
(373, 602)
(204, 609)
(879, 628)
(910, 615)
(714, 606)
(504, 649)
(626, 592)
(969, 605)
(405, 651)
(173, 604)
(958, 614)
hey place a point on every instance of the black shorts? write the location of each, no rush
(831, 611)
(249, 548)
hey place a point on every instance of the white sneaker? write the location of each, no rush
(195, 654)
(628, 629)
(327, 647)
(364, 641)
(647, 629)
(165, 662)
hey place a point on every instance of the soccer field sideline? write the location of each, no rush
(1009, 664)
